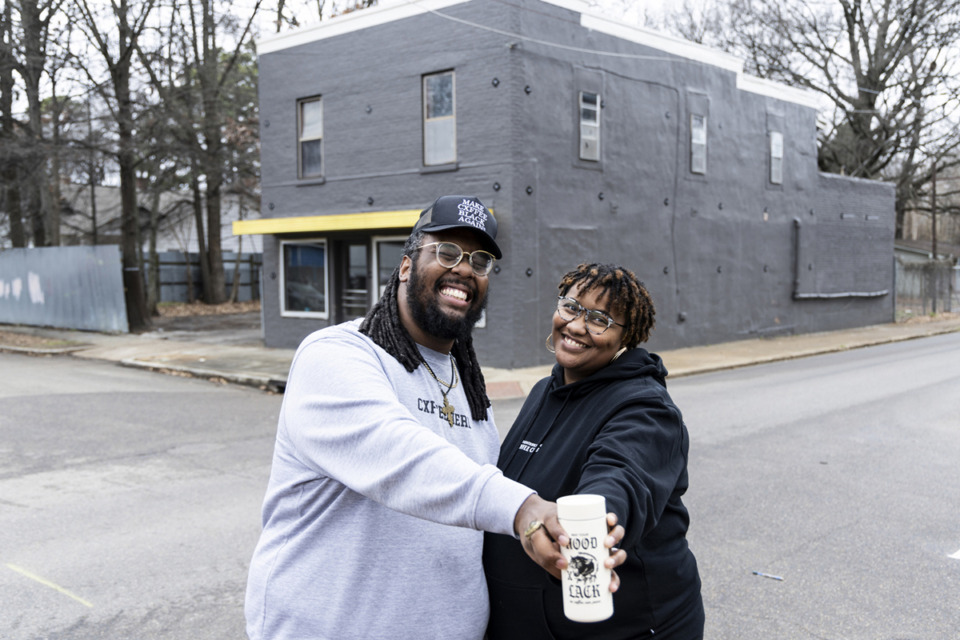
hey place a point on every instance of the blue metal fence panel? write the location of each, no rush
(65, 287)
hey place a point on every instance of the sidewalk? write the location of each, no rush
(237, 356)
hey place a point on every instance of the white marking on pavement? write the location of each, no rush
(955, 556)
(47, 583)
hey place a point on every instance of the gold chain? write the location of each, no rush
(447, 411)
(453, 370)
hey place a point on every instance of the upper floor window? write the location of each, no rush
(439, 119)
(310, 137)
(698, 143)
(776, 157)
(589, 126)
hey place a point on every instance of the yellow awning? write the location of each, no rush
(401, 219)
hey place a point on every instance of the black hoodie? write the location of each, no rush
(616, 433)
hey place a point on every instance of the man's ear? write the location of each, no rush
(405, 265)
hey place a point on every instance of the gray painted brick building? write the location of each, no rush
(590, 140)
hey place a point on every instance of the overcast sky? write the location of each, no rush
(630, 11)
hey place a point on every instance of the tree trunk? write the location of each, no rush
(215, 287)
(18, 236)
(31, 71)
(137, 316)
(202, 257)
(9, 148)
(189, 271)
(153, 261)
(52, 209)
(93, 207)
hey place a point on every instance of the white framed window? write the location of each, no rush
(698, 143)
(304, 279)
(439, 119)
(310, 137)
(589, 126)
(776, 157)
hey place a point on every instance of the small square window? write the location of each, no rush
(303, 277)
(310, 137)
(439, 119)
(698, 143)
(776, 157)
(589, 126)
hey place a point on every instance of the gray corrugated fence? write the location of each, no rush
(926, 287)
(65, 287)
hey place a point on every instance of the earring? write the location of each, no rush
(619, 353)
(549, 342)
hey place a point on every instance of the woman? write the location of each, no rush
(602, 423)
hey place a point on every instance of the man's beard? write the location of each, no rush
(431, 319)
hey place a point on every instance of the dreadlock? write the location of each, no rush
(624, 291)
(382, 325)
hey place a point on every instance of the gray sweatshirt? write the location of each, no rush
(373, 515)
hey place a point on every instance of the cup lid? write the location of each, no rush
(582, 506)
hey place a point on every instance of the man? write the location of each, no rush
(384, 473)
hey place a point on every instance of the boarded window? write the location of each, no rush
(589, 126)
(439, 119)
(698, 143)
(776, 157)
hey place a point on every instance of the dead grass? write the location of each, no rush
(17, 340)
(184, 309)
(925, 318)
(26, 340)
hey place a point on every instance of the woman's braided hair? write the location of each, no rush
(624, 291)
(382, 325)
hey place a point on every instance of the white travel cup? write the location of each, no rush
(586, 581)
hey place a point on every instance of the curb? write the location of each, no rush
(34, 351)
(264, 383)
(515, 383)
(927, 332)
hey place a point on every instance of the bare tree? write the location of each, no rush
(129, 20)
(198, 87)
(9, 143)
(32, 62)
(887, 71)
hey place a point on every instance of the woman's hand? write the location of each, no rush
(617, 556)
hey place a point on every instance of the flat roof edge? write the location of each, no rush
(384, 12)
(391, 10)
(660, 41)
(778, 90)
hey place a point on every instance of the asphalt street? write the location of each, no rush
(837, 473)
(129, 500)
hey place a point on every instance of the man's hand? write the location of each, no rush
(542, 543)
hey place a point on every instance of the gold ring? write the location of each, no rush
(532, 529)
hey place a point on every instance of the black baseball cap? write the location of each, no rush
(451, 212)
